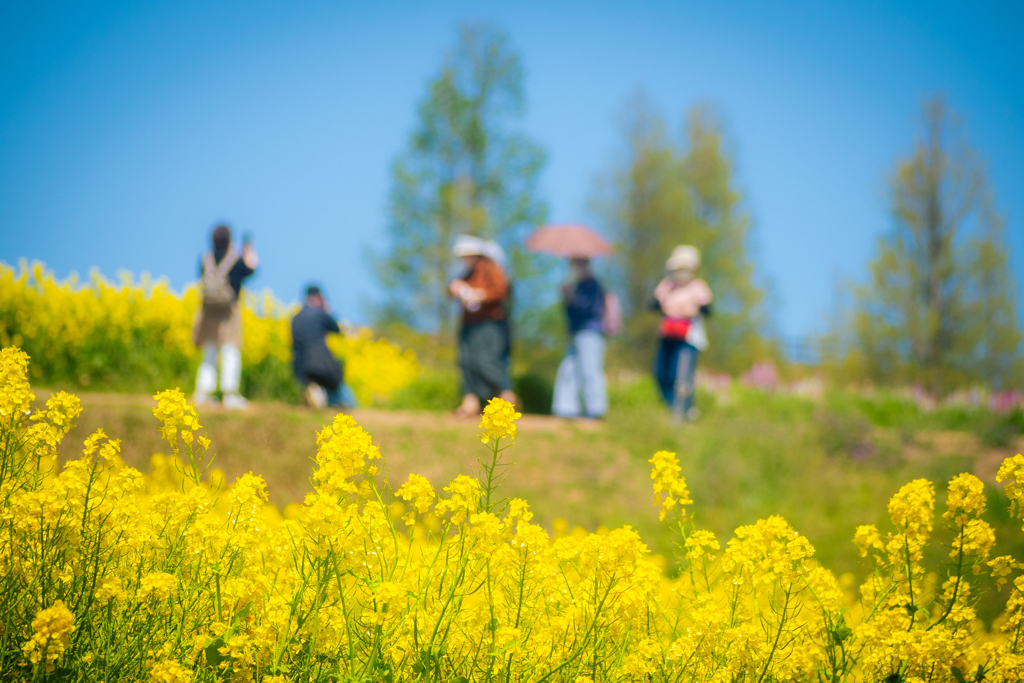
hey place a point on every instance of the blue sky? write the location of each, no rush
(128, 129)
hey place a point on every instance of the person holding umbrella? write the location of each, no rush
(581, 372)
(683, 299)
(482, 292)
(580, 386)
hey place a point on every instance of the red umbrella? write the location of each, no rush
(569, 240)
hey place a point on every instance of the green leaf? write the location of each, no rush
(841, 632)
(213, 655)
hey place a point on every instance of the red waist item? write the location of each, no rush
(674, 328)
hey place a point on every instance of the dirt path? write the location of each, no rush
(380, 416)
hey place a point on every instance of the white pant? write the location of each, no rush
(581, 373)
(230, 369)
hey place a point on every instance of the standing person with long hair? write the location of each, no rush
(218, 324)
(482, 291)
(684, 300)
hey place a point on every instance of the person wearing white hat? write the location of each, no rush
(493, 251)
(684, 300)
(482, 291)
(468, 246)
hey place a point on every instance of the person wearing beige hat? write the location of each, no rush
(683, 300)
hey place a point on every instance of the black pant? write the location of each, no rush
(481, 358)
(674, 369)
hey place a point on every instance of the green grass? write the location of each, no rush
(825, 466)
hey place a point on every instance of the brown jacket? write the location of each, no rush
(488, 276)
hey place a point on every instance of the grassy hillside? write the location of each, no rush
(823, 466)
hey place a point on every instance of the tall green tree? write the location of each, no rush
(938, 310)
(644, 206)
(466, 169)
(999, 362)
(661, 193)
(718, 224)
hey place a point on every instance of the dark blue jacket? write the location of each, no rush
(312, 359)
(585, 306)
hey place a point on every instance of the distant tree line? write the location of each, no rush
(466, 170)
(938, 309)
(661, 193)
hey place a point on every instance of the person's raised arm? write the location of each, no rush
(249, 257)
(329, 323)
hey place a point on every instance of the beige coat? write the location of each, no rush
(218, 326)
(682, 301)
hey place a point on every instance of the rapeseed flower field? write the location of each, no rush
(110, 575)
(137, 334)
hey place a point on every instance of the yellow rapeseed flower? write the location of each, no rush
(169, 671)
(51, 628)
(1012, 472)
(419, 493)
(665, 473)
(966, 498)
(498, 421)
(157, 586)
(214, 577)
(177, 416)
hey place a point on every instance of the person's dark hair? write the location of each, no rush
(221, 238)
(312, 290)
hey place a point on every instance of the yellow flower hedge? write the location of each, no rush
(107, 575)
(133, 335)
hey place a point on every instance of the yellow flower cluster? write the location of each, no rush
(498, 421)
(418, 492)
(157, 586)
(51, 631)
(670, 488)
(1012, 472)
(138, 334)
(375, 368)
(178, 417)
(108, 575)
(169, 671)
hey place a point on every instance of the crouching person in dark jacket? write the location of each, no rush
(316, 368)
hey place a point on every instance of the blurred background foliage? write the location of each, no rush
(136, 336)
(937, 307)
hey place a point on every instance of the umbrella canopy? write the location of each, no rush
(569, 240)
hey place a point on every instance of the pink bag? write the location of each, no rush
(611, 321)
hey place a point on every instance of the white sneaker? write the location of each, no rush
(201, 398)
(316, 396)
(235, 402)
